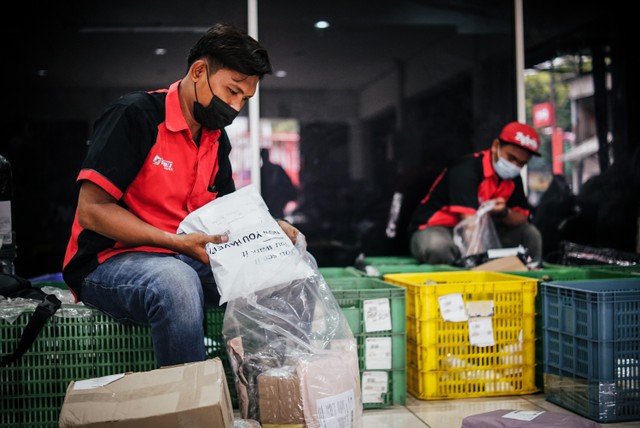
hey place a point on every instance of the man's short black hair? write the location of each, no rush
(226, 46)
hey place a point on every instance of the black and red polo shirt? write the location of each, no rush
(462, 188)
(142, 153)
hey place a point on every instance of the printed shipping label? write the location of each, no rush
(377, 315)
(378, 353)
(337, 411)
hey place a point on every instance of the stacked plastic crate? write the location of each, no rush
(559, 274)
(469, 333)
(77, 343)
(591, 335)
(375, 311)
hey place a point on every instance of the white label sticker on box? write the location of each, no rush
(377, 315)
(480, 308)
(452, 307)
(377, 355)
(523, 415)
(374, 386)
(337, 411)
(481, 331)
(96, 382)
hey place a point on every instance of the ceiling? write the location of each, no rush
(110, 43)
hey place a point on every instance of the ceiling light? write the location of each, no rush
(160, 51)
(321, 24)
(280, 73)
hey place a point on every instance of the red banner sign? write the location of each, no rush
(542, 115)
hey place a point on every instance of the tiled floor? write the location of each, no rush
(450, 413)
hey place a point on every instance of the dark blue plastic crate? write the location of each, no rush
(597, 400)
(563, 273)
(591, 341)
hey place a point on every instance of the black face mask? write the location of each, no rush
(216, 115)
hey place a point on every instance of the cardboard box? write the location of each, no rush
(503, 264)
(193, 395)
(330, 390)
(526, 419)
(279, 398)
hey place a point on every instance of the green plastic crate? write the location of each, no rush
(390, 260)
(76, 343)
(631, 270)
(380, 271)
(547, 265)
(215, 347)
(67, 348)
(571, 274)
(339, 272)
(564, 273)
(351, 295)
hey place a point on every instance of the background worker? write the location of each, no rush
(277, 189)
(458, 192)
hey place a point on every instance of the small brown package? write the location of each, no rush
(279, 398)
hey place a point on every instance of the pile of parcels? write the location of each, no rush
(313, 394)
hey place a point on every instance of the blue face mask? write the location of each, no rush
(505, 169)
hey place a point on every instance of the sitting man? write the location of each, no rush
(457, 193)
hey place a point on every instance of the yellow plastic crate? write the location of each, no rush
(441, 361)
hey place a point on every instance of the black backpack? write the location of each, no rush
(12, 286)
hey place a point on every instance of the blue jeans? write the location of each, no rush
(168, 293)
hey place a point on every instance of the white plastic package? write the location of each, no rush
(258, 254)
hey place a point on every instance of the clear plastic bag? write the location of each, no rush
(578, 254)
(293, 355)
(477, 234)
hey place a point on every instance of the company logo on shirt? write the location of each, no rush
(166, 164)
(526, 141)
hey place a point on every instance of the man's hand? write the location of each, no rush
(506, 215)
(500, 206)
(290, 230)
(194, 245)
